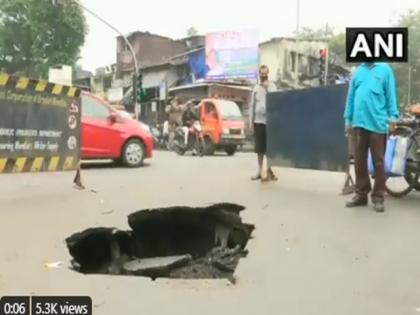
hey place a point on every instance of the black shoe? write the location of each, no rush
(379, 207)
(357, 201)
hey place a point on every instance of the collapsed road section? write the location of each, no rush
(174, 242)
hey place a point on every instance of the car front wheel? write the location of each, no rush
(133, 153)
(231, 149)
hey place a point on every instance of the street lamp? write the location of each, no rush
(136, 66)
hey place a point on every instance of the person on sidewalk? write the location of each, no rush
(372, 111)
(258, 121)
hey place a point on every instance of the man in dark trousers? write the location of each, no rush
(372, 111)
(258, 121)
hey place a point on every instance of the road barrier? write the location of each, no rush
(40, 125)
(305, 128)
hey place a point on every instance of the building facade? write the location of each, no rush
(279, 54)
(150, 50)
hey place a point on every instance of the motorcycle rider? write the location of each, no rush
(188, 119)
(174, 110)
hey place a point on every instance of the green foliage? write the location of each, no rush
(38, 34)
(336, 42)
(412, 21)
(321, 34)
(192, 31)
(337, 47)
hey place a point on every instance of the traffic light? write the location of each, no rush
(141, 92)
(322, 56)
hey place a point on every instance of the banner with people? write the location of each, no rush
(232, 55)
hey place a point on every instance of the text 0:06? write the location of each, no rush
(14, 308)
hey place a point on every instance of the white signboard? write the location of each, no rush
(162, 91)
(62, 75)
(115, 94)
(154, 107)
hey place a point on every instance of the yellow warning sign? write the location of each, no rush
(40, 125)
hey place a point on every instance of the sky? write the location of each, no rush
(273, 18)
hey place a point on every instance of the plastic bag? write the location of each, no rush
(400, 156)
(389, 154)
(395, 156)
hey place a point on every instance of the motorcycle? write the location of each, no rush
(160, 140)
(156, 136)
(195, 140)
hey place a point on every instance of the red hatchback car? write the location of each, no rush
(106, 134)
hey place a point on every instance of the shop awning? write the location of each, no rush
(155, 78)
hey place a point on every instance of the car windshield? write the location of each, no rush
(229, 111)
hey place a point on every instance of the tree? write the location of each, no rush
(321, 34)
(336, 42)
(412, 21)
(38, 34)
(192, 31)
(337, 47)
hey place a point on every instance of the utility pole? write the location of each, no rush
(130, 47)
(297, 43)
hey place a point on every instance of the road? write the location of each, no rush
(309, 254)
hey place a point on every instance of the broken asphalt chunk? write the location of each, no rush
(155, 267)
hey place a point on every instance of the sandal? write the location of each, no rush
(271, 176)
(265, 179)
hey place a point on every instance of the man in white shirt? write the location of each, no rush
(258, 121)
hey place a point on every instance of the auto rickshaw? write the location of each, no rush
(222, 125)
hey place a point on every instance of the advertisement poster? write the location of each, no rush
(232, 55)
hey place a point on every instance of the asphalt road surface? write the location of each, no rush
(309, 255)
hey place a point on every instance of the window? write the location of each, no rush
(209, 108)
(230, 111)
(293, 61)
(300, 62)
(107, 83)
(93, 108)
(313, 66)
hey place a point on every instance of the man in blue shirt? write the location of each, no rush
(372, 110)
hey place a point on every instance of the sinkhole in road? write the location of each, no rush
(173, 242)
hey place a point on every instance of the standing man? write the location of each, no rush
(175, 111)
(258, 121)
(372, 110)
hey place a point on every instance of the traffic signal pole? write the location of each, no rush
(130, 47)
(135, 99)
(323, 67)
